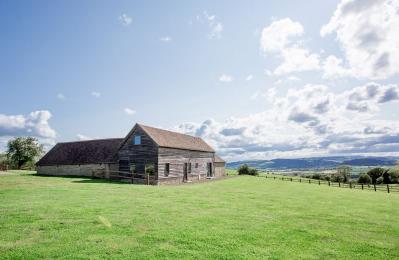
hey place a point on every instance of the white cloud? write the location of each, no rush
(293, 78)
(280, 38)
(35, 124)
(129, 111)
(165, 39)
(216, 27)
(278, 34)
(332, 68)
(296, 60)
(368, 32)
(216, 31)
(61, 96)
(81, 137)
(249, 77)
(268, 72)
(226, 78)
(306, 121)
(125, 19)
(96, 94)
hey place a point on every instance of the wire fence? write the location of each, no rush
(389, 188)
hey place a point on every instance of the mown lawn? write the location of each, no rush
(241, 217)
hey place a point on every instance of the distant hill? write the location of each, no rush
(317, 162)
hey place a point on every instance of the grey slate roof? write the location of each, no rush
(82, 152)
(169, 139)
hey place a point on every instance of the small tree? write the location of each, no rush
(364, 178)
(375, 173)
(345, 172)
(22, 150)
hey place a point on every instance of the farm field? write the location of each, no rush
(240, 217)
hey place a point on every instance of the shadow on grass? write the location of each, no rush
(82, 179)
(101, 181)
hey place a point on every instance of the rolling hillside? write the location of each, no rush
(316, 162)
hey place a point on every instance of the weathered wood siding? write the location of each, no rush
(142, 154)
(219, 169)
(176, 159)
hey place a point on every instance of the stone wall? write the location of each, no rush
(86, 170)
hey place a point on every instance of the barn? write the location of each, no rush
(146, 155)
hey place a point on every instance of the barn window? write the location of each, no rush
(189, 168)
(166, 171)
(196, 165)
(137, 139)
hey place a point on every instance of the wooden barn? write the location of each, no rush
(146, 155)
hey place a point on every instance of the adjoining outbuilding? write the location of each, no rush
(146, 155)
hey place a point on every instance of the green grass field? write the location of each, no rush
(241, 217)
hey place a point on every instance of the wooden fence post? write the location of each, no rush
(388, 188)
(350, 185)
(362, 186)
(291, 179)
(319, 182)
(375, 188)
(309, 181)
(300, 180)
(339, 184)
(328, 183)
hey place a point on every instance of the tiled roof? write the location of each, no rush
(82, 152)
(165, 138)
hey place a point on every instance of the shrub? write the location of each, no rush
(253, 172)
(327, 178)
(364, 178)
(246, 170)
(337, 178)
(379, 180)
(316, 176)
(243, 169)
(394, 174)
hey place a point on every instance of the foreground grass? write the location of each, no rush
(241, 217)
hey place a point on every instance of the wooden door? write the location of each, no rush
(209, 170)
(185, 172)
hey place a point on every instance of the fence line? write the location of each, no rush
(389, 188)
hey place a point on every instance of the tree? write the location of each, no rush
(246, 170)
(364, 178)
(375, 173)
(386, 177)
(394, 175)
(22, 150)
(345, 172)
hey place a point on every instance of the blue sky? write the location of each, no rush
(258, 79)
